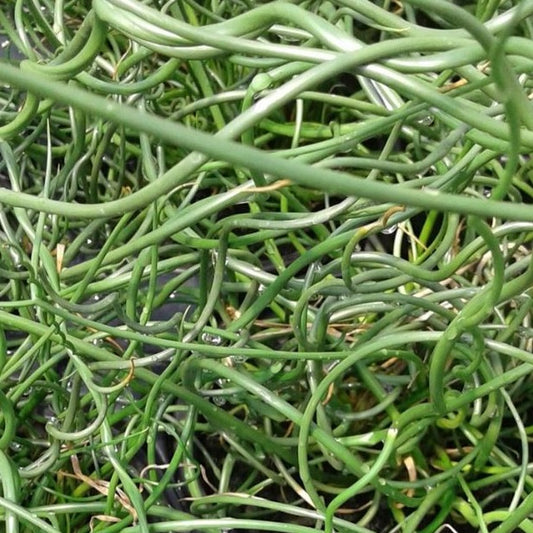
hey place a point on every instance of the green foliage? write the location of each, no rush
(266, 266)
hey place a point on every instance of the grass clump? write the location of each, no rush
(266, 267)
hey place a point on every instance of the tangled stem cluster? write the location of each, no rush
(266, 267)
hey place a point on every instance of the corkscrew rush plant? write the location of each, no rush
(266, 266)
